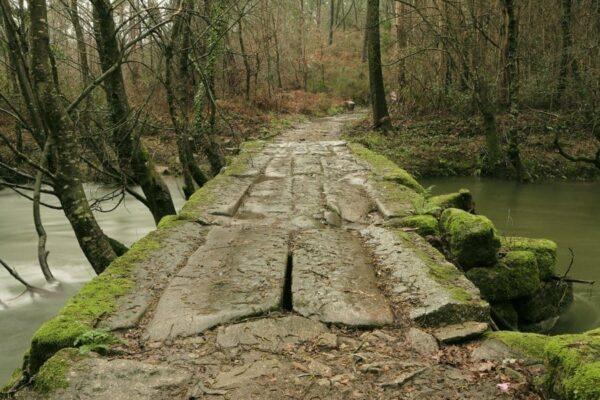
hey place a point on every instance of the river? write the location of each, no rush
(20, 317)
(566, 212)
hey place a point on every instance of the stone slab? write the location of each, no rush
(460, 332)
(239, 272)
(433, 291)
(333, 280)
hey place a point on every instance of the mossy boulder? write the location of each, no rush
(507, 314)
(462, 200)
(472, 239)
(516, 275)
(385, 168)
(550, 300)
(54, 373)
(544, 250)
(425, 225)
(572, 361)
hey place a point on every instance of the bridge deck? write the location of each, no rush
(298, 286)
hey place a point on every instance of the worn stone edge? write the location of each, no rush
(385, 168)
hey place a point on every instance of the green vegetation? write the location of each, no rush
(544, 250)
(96, 299)
(573, 369)
(516, 275)
(472, 239)
(53, 374)
(386, 168)
(424, 224)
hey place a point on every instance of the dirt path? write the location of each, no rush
(301, 288)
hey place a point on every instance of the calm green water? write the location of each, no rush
(568, 213)
(20, 317)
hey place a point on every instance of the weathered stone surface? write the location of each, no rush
(153, 274)
(516, 275)
(392, 199)
(306, 164)
(220, 197)
(460, 332)
(334, 281)
(349, 199)
(424, 225)
(472, 238)
(269, 198)
(238, 377)
(418, 277)
(544, 250)
(239, 272)
(422, 342)
(270, 334)
(97, 378)
(307, 192)
(279, 167)
(493, 350)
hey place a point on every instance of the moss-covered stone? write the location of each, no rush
(97, 299)
(550, 300)
(472, 239)
(507, 313)
(241, 164)
(385, 168)
(462, 200)
(516, 275)
(544, 250)
(425, 225)
(53, 374)
(572, 361)
(201, 199)
(15, 378)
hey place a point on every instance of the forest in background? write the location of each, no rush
(107, 90)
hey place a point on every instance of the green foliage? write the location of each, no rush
(97, 341)
(544, 250)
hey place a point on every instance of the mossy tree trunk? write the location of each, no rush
(59, 130)
(133, 157)
(381, 117)
(567, 59)
(179, 88)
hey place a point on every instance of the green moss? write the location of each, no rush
(53, 374)
(573, 369)
(460, 294)
(462, 200)
(15, 378)
(424, 224)
(472, 238)
(544, 250)
(515, 276)
(95, 300)
(241, 164)
(203, 197)
(386, 168)
(170, 221)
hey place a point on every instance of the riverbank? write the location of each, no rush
(454, 146)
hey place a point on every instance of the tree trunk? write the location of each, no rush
(381, 117)
(331, 21)
(567, 60)
(133, 157)
(247, 68)
(67, 183)
(512, 83)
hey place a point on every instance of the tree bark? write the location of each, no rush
(567, 60)
(64, 152)
(512, 83)
(381, 117)
(133, 157)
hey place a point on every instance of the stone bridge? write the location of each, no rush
(297, 273)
